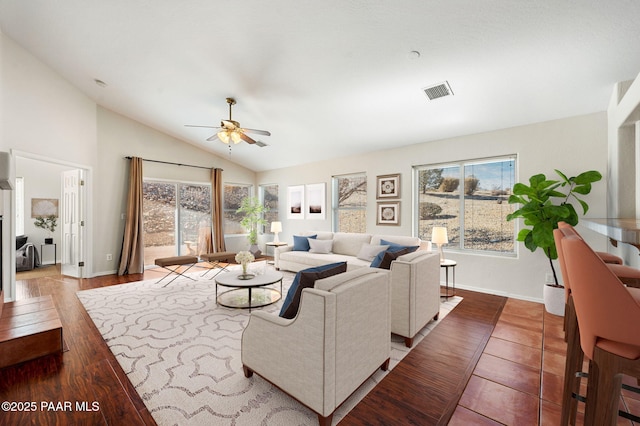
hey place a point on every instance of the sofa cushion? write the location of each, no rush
(375, 263)
(349, 243)
(304, 279)
(368, 252)
(390, 256)
(298, 260)
(396, 246)
(20, 241)
(396, 239)
(320, 246)
(301, 243)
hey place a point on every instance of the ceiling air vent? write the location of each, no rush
(439, 90)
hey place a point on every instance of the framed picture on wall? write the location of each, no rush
(44, 207)
(316, 204)
(388, 213)
(388, 186)
(295, 202)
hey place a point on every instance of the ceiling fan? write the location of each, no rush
(230, 130)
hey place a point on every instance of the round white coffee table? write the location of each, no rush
(247, 294)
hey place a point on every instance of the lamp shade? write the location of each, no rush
(223, 136)
(235, 137)
(276, 226)
(439, 235)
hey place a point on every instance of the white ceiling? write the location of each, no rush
(335, 77)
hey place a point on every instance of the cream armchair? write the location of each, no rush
(339, 338)
(415, 293)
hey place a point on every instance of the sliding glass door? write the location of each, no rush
(177, 219)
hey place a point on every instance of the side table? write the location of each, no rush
(55, 251)
(274, 245)
(446, 264)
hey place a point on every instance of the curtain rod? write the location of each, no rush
(175, 164)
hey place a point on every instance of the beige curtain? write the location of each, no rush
(132, 256)
(216, 211)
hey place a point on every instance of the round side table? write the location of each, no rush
(449, 264)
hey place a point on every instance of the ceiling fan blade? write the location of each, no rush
(215, 136)
(208, 127)
(246, 138)
(257, 132)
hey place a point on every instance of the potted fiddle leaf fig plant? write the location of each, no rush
(253, 211)
(544, 203)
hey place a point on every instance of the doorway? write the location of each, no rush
(59, 187)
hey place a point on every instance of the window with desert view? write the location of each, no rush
(469, 199)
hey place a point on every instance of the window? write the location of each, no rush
(269, 198)
(233, 196)
(350, 203)
(177, 218)
(469, 199)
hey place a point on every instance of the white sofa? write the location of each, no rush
(338, 339)
(415, 277)
(415, 293)
(346, 246)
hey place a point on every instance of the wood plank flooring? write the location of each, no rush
(424, 389)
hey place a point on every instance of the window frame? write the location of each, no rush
(250, 193)
(266, 228)
(462, 164)
(178, 213)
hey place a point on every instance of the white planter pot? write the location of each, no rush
(554, 300)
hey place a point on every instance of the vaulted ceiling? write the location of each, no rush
(336, 77)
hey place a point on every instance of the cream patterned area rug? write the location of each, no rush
(182, 354)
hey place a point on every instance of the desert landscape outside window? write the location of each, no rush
(469, 198)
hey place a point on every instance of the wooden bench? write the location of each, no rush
(29, 329)
(177, 261)
(216, 260)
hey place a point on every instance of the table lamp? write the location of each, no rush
(439, 237)
(276, 227)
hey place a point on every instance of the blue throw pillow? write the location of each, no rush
(302, 243)
(393, 247)
(305, 279)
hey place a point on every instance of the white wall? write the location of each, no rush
(120, 137)
(572, 145)
(46, 116)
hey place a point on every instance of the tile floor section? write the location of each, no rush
(518, 379)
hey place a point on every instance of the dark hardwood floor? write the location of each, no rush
(424, 389)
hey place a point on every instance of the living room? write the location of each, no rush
(47, 118)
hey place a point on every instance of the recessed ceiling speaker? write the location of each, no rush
(5, 171)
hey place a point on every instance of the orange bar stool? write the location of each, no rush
(575, 356)
(609, 326)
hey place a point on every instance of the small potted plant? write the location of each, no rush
(253, 216)
(48, 223)
(541, 215)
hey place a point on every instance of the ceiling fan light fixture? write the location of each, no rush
(235, 136)
(223, 136)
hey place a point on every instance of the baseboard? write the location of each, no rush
(498, 293)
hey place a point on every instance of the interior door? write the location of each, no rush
(72, 223)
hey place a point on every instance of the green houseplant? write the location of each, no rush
(253, 211)
(48, 223)
(544, 203)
